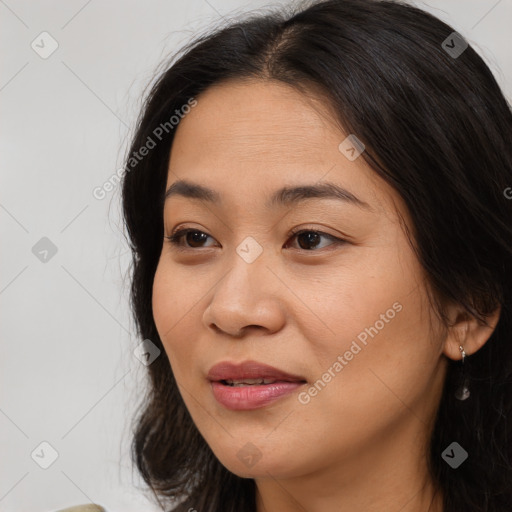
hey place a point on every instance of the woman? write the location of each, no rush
(322, 253)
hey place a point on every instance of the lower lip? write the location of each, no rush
(245, 398)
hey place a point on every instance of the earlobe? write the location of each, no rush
(469, 333)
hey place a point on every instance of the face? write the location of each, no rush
(338, 310)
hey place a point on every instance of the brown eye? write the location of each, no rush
(310, 239)
(193, 237)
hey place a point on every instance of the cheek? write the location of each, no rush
(164, 302)
(175, 308)
(370, 344)
(362, 300)
(382, 361)
(364, 391)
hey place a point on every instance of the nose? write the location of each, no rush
(249, 298)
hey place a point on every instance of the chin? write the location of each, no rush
(256, 459)
(261, 469)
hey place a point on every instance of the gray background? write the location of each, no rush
(68, 373)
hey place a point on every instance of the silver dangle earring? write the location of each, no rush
(463, 390)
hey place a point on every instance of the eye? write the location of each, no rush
(311, 241)
(195, 238)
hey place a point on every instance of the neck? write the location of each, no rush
(289, 496)
(389, 475)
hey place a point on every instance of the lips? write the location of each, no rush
(250, 385)
(250, 372)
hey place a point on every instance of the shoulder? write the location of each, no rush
(83, 508)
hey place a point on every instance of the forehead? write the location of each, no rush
(258, 120)
(248, 138)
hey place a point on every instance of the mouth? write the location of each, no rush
(248, 382)
(250, 385)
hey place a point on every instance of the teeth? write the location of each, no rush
(248, 382)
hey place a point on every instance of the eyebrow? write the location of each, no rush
(286, 196)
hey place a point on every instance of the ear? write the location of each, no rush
(468, 332)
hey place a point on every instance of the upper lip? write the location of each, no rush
(226, 370)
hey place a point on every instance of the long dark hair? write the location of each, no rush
(437, 128)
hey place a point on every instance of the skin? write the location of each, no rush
(360, 443)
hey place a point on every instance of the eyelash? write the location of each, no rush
(175, 238)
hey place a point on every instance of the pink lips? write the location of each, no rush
(250, 396)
